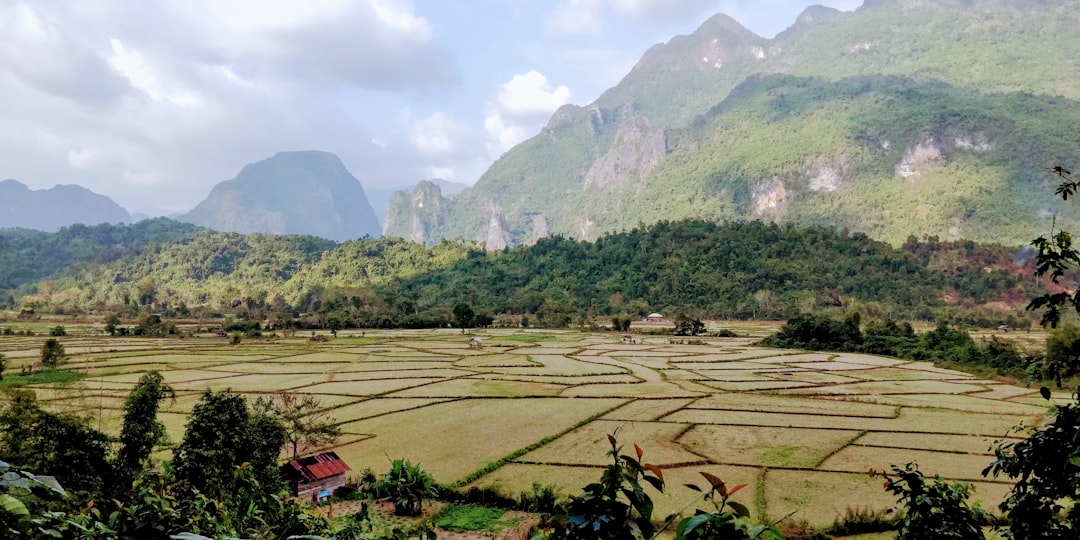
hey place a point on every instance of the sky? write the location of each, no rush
(153, 103)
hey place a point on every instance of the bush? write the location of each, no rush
(406, 485)
(936, 509)
(58, 331)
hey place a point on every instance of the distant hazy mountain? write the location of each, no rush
(306, 192)
(59, 206)
(379, 197)
(904, 117)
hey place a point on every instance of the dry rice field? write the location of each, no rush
(535, 406)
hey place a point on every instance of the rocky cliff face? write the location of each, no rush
(416, 215)
(290, 193)
(947, 110)
(56, 207)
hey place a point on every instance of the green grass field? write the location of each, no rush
(536, 406)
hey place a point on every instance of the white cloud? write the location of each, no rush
(520, 108)
(156, 101)
(142, 76)
(439, 135)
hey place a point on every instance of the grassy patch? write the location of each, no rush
(41, 377)
(525, 338)
(466, 517)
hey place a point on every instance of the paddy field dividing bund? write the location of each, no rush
(531, 406)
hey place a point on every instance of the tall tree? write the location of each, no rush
(221, 434)
(142, 431)
(52, 353)
(463, 316)
(305, 422)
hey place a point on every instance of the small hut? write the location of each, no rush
(628, 339)
(315, 478)
(476, 343)
(654, 317)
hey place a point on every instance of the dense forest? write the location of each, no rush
(750, 270)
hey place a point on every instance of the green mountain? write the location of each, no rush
(904, 117)
(735, 270)
(307, 192)
(56, 207)
(28, 256)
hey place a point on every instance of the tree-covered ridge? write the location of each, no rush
(27, 256)
(740, 270)
(731, 270)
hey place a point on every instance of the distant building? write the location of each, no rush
(654, 317)
(315, 478)
(476, 343)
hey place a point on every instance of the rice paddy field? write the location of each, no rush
(802, 429)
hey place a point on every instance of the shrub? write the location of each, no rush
(58, 331)
(406, 485)
(1045, 501)
(936, 509)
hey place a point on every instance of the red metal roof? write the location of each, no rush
(316, 467)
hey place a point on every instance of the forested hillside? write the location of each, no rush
(900, 118)
(740, 270)
(27, 256)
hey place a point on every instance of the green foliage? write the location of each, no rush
(1062, 352)
(1045, 500)
(141, 430)
(1056, 258)
(221, 434)
(58, 331)
(41, 377)
(888, 338)
(733, 270)
(52, 353)
(29, 256)
(53, 444)
(728, 519)
(936, 509)
(818, 333)
(617, 506)
(464, 316)
(112, 320)
(407, 486)
(686, 325)
(467, 517)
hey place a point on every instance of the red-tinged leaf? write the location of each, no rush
(734, 489)
(655, 470)
(716, 482)
(638, 450)
(872, 473)
(885, 485)
(611, 439)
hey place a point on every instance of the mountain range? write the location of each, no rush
(902, 118)
(56, 207)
